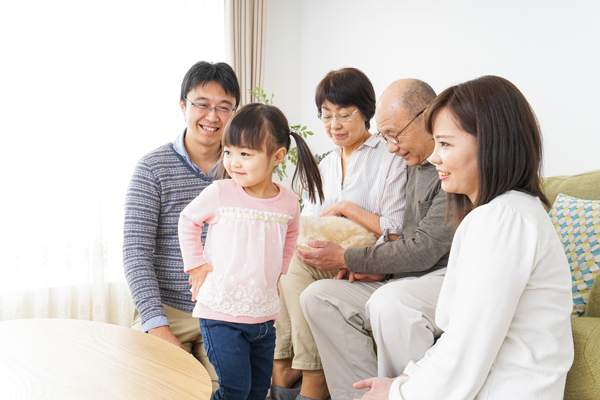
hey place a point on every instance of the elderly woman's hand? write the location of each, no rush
(354, 213)
(339, 209)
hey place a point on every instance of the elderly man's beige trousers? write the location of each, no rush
(341, 316)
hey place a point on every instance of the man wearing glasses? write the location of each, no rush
(405, 275)
(163, 183)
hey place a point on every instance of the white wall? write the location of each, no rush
(283, 59)
(86, 89)
(549, 49)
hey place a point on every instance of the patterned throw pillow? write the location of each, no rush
(577, 222)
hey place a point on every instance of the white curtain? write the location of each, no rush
(87, 89)
(245, 32)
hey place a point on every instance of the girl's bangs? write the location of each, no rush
(238, 134)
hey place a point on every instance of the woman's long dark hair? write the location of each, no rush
(263, 127)
(509, 142)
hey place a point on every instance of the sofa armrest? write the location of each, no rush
(583, 379)
(592, 308)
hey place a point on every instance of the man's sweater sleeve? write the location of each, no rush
(142, 209)
(418, 253)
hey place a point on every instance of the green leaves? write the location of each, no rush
(301, 130)
(320, 157)
(260, 95)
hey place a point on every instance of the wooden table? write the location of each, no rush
(71, 359)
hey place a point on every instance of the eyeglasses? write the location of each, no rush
(205, 108)
(326, 118)
(393, 139)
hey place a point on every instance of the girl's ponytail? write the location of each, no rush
(308, 170)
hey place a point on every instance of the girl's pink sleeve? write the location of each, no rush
(203, 208)
(290, 238)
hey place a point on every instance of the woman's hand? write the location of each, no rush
(354, 213)
(197, 278)
(379, 388)
(337, 209)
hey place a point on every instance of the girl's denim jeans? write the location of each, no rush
(242, 355)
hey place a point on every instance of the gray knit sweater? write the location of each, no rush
(427, 236)
(161, 186)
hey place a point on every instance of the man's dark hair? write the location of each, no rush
(204, 72)
(347, 87)
(509, 142)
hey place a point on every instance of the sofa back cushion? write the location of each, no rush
(583, 186)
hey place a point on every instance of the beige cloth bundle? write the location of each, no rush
(339, 230)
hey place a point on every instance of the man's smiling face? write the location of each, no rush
(205, 128)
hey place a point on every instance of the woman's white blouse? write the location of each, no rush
(375, 181)
(505, 309)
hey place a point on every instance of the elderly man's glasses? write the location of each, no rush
(394, 139)
(205, 108)
(327, 118)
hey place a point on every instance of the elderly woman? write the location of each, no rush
(505, 303)
(363, 182)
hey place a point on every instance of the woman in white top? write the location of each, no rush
(363, 182)
(505, 302)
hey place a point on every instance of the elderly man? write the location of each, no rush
(406, 275)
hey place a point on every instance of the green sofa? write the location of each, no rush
(583, 380)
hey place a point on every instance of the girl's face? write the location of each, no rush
(455, 156)
(253, 169)
(351, 133)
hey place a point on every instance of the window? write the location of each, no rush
(88, 87)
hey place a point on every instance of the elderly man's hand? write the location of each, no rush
(379, 388)
(326, 256)
(358, 276)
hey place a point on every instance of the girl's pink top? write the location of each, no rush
(250, 242)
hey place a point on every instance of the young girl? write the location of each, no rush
(505, 302)
(253, 226)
